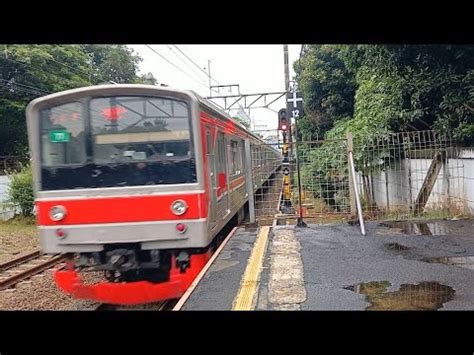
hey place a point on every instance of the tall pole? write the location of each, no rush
(287, 67)
(300, 222)
(286, 64)
(209, 69)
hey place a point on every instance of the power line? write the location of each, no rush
(207, 74)
(29, 65)
(68, 66)
(174, 65)
(20, 89)
(89, 75)
(9, 82)
(192, 61)
(185, 63)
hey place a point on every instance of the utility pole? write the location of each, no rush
(300, 222)
(287, 69)
(286, 65)
(209, 71)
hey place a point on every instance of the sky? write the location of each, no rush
(256, 68)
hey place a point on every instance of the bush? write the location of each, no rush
(20, 191)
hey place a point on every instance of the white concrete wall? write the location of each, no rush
(4, 213)
(3, 186)
(468, 160)
(455, 184)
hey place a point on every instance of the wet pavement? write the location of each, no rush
(219, 286)
(399, 266)
(396, 266)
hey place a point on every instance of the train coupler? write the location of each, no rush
(182, 261)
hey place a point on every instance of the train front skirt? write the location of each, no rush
(130, 293)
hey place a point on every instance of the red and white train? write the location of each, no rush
(136, 181)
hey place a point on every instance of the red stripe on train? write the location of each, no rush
(123, 209)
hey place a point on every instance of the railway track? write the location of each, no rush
(23, 267)
(158, 306)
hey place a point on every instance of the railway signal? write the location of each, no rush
(283, 123)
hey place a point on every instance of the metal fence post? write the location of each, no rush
(359, 206)
(350, 148)
(249, 180)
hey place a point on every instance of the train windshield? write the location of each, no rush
(116, 141)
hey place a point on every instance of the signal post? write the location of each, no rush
(283, 126)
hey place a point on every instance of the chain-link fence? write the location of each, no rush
(11, 162)
(320, 189)
(409, 175)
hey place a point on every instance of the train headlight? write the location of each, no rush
(179, 207)
(57, 213)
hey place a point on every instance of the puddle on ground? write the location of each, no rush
(461, 261)
(425, 296)
(425, 228)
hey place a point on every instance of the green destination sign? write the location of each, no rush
(59, 136)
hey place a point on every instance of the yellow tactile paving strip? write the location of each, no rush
(248, 286)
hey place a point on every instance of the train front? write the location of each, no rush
(118, 189)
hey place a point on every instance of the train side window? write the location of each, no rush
(242, 156)
(235, 160)
(208, 142)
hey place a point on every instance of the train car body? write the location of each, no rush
(136, 181)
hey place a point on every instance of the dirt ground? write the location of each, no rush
(18, 236)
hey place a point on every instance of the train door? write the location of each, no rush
(211, 171)
(222, 205)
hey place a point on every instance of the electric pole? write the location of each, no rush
(300, 222)
(287, 69)
(209, 70)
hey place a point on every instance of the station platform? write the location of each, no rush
(404, 266)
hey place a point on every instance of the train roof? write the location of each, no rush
(204, 102)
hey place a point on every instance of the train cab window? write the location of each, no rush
(116, 142)
(62, 135)
(128, 129)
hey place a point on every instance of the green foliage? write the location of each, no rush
(328, 88)
(116, 63)
(371, 89)
(29, 71)
(20, 191)
(324, 172)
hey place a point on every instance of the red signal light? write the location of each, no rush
(282, 120)
(113, 113)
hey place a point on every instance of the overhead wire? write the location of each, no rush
(174, 65)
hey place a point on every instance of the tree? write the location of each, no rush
(117, 63)
(30, 71)
(377, 88)
(370, 90)
(328, 88)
